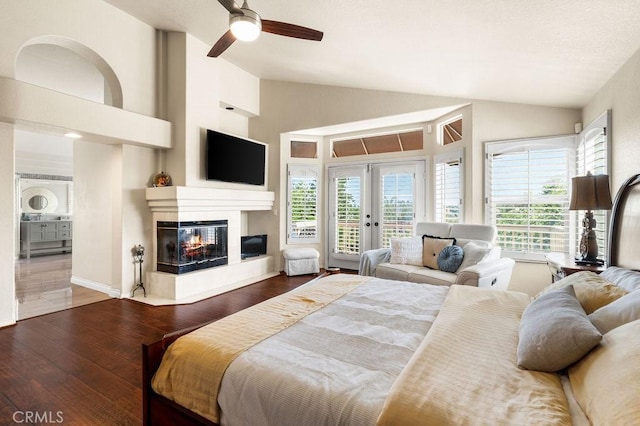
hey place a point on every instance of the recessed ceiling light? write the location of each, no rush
(73, 135)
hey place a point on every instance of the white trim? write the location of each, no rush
(103, 288)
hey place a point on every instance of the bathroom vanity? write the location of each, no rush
(45, 237)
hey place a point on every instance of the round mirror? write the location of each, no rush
(38, 202)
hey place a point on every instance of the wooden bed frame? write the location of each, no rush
(158, 410)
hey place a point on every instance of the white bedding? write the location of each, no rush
(301, 376)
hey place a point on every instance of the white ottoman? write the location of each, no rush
(299, 261)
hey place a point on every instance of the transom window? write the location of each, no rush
(450, 131)
(368, 145)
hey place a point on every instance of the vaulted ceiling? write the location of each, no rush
(544, 52)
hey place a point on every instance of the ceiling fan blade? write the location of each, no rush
(291, 30)
(231, 6)
(221, 45)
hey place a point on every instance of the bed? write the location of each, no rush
(359, 350)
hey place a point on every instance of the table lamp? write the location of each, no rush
(590, 192)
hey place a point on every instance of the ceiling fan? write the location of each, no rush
(245, 25)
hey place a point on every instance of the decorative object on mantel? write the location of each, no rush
(162, 179)
(590, 192)
(138, 254)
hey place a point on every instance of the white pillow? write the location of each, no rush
(617, 313)
(406, 251)
(622, 277)
(474, 253)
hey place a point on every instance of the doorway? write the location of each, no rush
(371, 203)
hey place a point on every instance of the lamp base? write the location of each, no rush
(595, 262)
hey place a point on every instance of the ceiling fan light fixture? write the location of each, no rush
(245, 27)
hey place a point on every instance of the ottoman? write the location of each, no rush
(299, 261)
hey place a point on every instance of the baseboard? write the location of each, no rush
(92, 285)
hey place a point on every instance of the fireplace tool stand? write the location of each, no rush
(138, 253)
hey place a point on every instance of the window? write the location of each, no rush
(304, 149)
(448, 187)
(592, 157)
(367, 145)
(528, 194)
(302, 203)
(450, 131)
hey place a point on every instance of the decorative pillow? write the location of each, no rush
(592, 290)
(406, 251)
(617, 313)
(555, 332)
(432, 246)
(450, 258)
(474, 253)
(622, 277)
(605, 382)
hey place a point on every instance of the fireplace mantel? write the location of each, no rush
(190, 199)
(181, 203)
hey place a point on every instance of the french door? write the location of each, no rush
(371, 203)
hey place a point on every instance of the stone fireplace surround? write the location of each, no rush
(179, 203)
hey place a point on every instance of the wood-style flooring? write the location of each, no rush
(82, 366)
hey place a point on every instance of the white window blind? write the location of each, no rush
(397, 190)
(528, 194)
(448, 187)
(302, 203)
(347, 219)
(592, 157)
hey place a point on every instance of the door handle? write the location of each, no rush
(375, 223)
(367, 224)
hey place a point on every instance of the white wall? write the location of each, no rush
(95, 166)
(111, 37)
(198, 90)
(7, 223)
(621, 94)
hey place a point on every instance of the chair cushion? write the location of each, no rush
(450, 258)
(473, 232)
(300, 253)
(474, 253)
(432, 246)
(406, 251)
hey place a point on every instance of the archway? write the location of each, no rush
(65, 65)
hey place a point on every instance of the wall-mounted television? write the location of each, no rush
(234, 159)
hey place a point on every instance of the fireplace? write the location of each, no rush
(190, 246)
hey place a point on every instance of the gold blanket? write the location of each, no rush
(465, 372)
(192, 368)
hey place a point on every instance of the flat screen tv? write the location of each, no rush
(234, 159)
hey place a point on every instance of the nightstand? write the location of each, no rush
(562, 264)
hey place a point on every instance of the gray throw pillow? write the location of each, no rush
(555, 332)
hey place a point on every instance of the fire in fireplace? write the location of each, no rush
(190, 246)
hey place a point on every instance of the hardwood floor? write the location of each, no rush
(83, 365)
